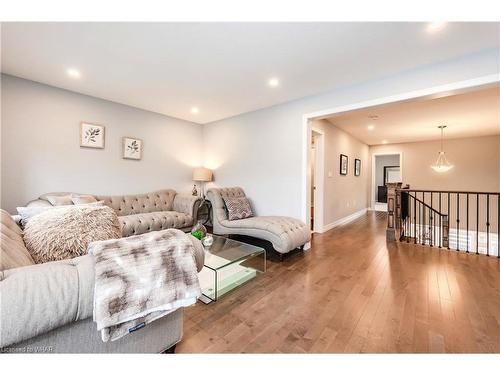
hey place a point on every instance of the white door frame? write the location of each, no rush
(319, 179)
(373, 195)
(432, 92)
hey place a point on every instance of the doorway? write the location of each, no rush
(316, 170)
(386, 168)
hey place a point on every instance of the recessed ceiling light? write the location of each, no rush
(274, 82)
(433, 27)
(371, 127)
(73, 73)
(384, 142)
(195, 110)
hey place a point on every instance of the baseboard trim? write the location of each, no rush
(344, 220)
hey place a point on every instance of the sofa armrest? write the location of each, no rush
(187, 204)
(36, 299)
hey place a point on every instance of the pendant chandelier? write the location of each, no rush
(442, 165)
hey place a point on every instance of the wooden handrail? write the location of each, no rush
(449, 191)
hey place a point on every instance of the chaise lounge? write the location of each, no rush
(284, 233)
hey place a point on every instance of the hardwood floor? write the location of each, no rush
(353, 292)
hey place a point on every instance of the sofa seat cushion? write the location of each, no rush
(147, 222)
(13, 252)
(285, 233)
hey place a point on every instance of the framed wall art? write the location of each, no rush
(344, 164)
(92, 135)
(357, 167)
(132, 148)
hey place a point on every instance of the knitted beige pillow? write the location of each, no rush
(66, 232)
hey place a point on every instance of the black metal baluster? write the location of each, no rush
(408, 226)
(420, 226)
(467, 222)
(487, 225)
(440, 223)
(458, 220)
(415, 218)
(423, 223)
(477, 223)
(449, 219)
(431, 222)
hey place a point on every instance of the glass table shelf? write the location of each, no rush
(229, 264)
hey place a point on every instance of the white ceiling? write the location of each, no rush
(223, 68)
(472, 114)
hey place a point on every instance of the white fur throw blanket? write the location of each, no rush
(141, 278)
(65, 232)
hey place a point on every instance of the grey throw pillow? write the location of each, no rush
(238, 208)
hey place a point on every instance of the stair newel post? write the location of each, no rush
(393, 231)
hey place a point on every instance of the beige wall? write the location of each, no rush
(476, 164)
(40, 149)
(476, 168)
(343, 195)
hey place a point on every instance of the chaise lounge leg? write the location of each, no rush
(170, 350)
(282, 256)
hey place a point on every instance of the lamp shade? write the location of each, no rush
(202, 174)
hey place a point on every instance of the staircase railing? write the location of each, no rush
(421, 223)
(458, 220)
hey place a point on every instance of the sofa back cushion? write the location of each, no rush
(161, 200)
(13, 252)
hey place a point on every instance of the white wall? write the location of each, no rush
(40, 145)
(262, 150)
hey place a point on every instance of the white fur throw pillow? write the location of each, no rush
(66, 232)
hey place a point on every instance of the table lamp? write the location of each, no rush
(202, 175)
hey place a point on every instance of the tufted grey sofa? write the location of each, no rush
(143, 213)
(284, 233)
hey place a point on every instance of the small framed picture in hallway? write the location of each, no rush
(357, 167)
(344, 164)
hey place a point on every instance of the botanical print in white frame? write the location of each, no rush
(91, 135)
(132, 148)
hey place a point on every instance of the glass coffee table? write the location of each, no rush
(229, 264)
